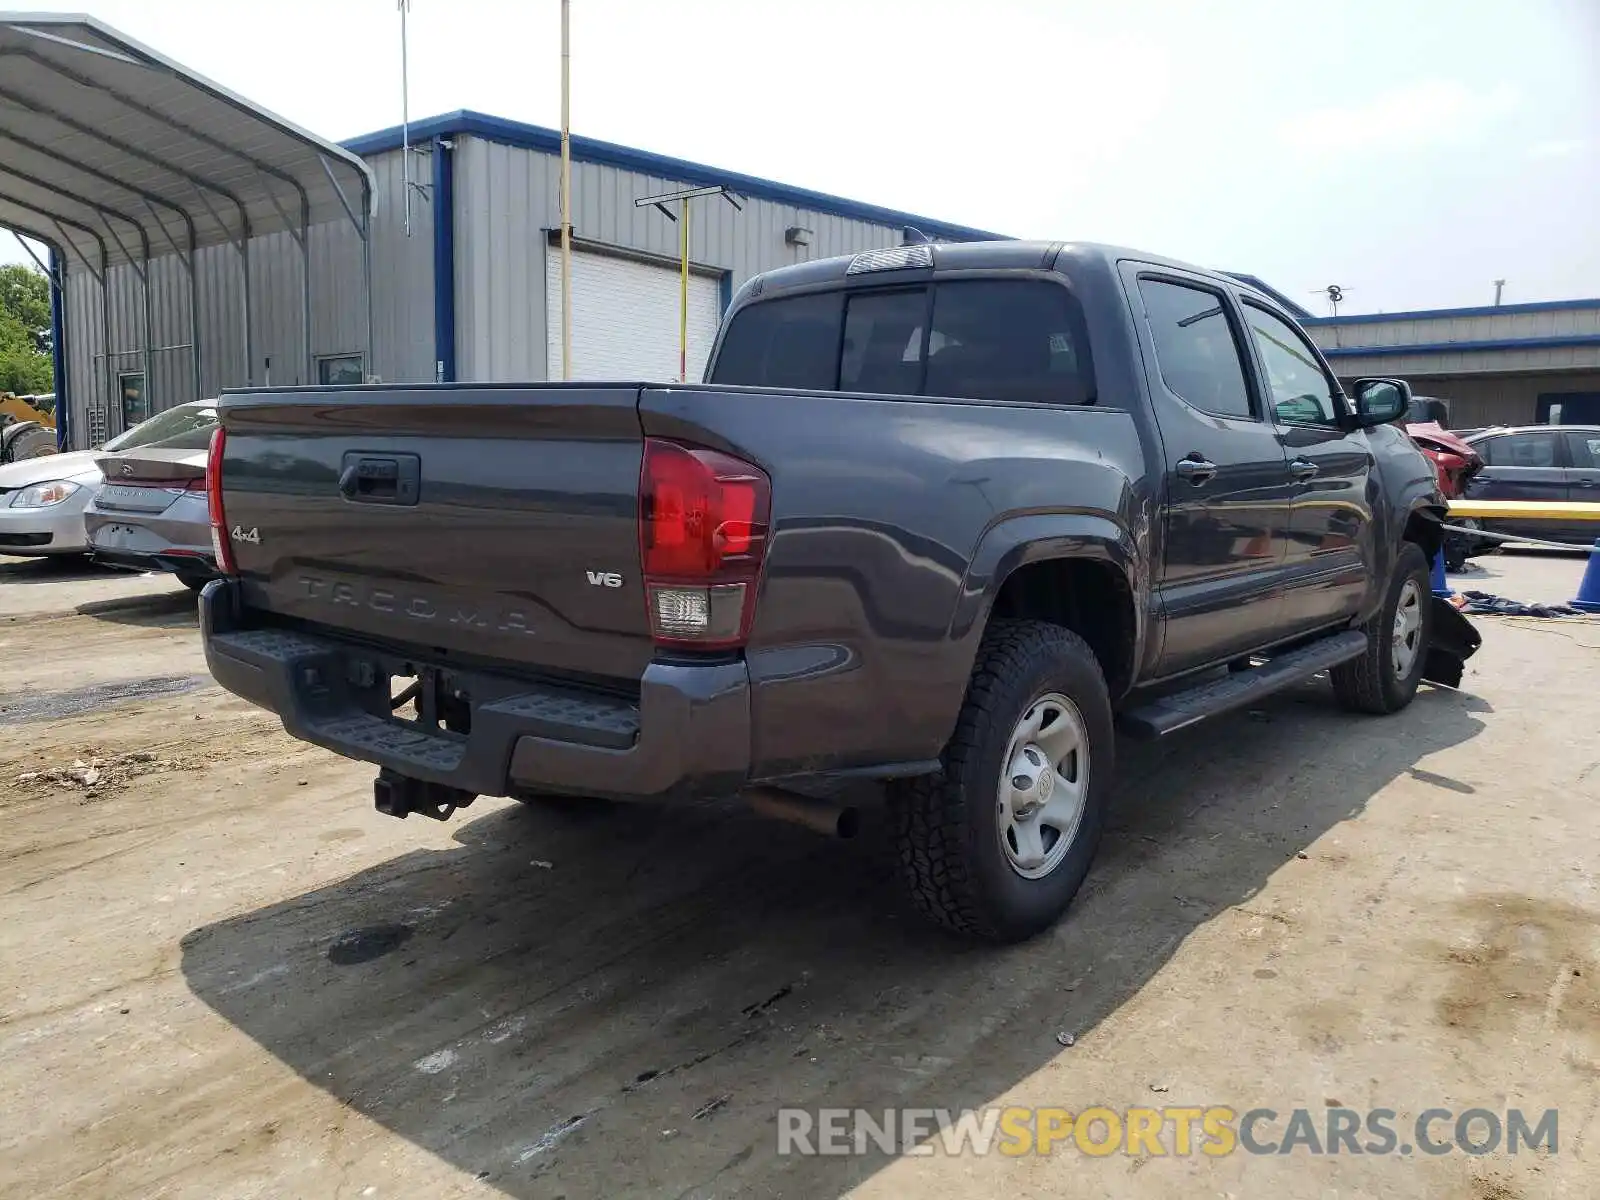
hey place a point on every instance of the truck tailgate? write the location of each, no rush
(496, 523)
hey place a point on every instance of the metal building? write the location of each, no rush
(1512, 364)
(474, 294)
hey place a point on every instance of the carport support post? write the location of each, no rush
(194, 315)
(366, 271)
(305, 287)
(249, 336)
(105, 345)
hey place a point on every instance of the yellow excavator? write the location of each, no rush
(27, 426)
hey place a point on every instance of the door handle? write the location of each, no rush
(1302, 468)
(1195, 469)
(1587, 482)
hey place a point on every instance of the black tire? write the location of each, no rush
(947, 827)
(194, 582)
(31, 443)
(1457, 549)
(1370, 684)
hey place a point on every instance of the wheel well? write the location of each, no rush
(1088, 597)
(1425, 529)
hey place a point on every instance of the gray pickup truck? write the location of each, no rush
(941, 516)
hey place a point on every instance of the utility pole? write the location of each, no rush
(1499, 286)
(566, 189)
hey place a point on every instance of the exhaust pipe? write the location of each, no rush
(822, 816)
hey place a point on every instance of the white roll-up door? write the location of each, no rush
(625, 318)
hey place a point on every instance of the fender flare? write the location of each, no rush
(1017, 541)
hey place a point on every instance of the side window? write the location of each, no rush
(1300, 392)
(1583, 449)
(1009, 339)
(1525, 450)
(883, 342)
(1195, 349)
(790, 342)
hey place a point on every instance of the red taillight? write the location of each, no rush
(702, 538)
(220, 542)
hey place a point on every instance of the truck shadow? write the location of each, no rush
(617, 1004)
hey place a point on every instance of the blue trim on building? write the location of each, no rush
(1490, 310)
(467, 123)
(1544, 343)
(58, 355)
(444, 261)
(1298, 312)
(725, 285)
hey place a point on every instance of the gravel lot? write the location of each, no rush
(223, 975)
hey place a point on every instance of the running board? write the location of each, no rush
(1182, 709)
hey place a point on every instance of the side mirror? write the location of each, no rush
(1379, 401)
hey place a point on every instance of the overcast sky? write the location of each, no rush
(1411, 151)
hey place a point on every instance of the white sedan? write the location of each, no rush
(42, 502)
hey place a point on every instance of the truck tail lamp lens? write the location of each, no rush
(221, 544)
(703, 525)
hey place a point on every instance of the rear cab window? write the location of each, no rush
(1016, 340)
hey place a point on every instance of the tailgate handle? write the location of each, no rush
(380, 478)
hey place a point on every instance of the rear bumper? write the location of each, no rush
(688, 734)
(176, 539)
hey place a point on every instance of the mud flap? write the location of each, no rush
(1455, 639)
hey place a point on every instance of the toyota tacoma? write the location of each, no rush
(941, 516)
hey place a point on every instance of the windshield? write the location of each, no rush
(185, 427)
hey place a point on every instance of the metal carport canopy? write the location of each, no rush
(112, 153)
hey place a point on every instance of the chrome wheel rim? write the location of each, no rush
(1043, 781)
(1407, 629)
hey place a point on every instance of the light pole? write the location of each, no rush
(660, 201)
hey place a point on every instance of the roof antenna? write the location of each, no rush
(910, 235)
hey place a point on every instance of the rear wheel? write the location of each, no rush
(998, 843)
(1385, 678)
(193, 582)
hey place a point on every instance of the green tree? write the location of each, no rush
(25, 365)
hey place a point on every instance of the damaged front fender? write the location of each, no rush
(1455, 639)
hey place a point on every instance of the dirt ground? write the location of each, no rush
(223, 975)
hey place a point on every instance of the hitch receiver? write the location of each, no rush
(397, 795)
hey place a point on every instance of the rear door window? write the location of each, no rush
(1523, 450)
(1009, 339)
(1195, 347)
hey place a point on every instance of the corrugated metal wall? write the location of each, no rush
(1440, 331)
(1402, 330)
(507, 197)
(402, 299)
